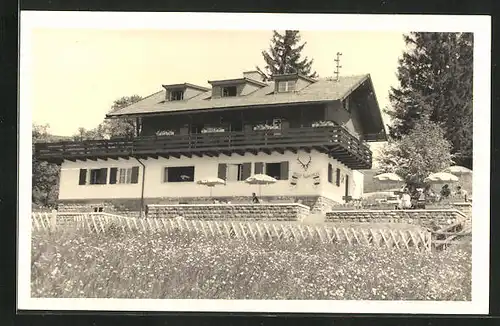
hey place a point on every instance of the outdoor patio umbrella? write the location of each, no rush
(458, 170)
(260, 179)
(211, 182)
(389, 178)
(441, 177)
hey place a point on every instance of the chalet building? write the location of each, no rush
(311, 135)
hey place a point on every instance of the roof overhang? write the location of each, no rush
(375, 123)
(186, 85)
(215, 109)
(292, 76)
(237, 81)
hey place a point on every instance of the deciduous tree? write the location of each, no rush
(424, 150)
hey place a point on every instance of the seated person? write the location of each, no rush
(445, 192)
(255, 199)
(461, 193)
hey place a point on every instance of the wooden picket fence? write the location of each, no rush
(413, 239)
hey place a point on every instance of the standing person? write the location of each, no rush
(255, 199)
(405, 202)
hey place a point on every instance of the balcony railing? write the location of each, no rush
(333, 139)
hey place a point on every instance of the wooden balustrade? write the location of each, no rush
(333, 139)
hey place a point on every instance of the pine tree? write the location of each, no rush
(284, 56)
(435, 79)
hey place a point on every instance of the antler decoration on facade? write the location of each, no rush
(305, 166)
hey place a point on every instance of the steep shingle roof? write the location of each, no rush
(322, 90)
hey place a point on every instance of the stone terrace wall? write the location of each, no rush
(235, 212)
(424, 217)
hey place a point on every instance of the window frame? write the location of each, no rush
(166, 170)
(224, 88)
(287, 88)
(172, 92)
(99, 179)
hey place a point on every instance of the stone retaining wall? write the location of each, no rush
(316, 203)
(236, 212)
(424, 217)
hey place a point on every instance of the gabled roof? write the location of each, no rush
(323, 90)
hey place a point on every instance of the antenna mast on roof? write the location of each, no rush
(338, 66)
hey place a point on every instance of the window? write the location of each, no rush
(179, 174)
(236, 172)
(176, 95)
(286, 86)
(278, 170)
(124, 175)
(337, 179)
(228, 91)
(330, 173)
(98, 176)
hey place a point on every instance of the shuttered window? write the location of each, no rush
(112, 175)
(259, 168)
(246, 171)
(330, 173)
(222, 171)
(337, 180)
(82, 180)
(135, 175)
(284, 170)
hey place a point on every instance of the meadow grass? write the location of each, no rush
(75, 264)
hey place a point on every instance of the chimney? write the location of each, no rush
(254, 74)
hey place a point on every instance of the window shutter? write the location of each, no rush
(338, 178)
(83, 177)
(135, 175)
(103, 176)
(284, 170)
(246, 170)
(221, 172)
(330, 173)
(112, 176)
(259, 167)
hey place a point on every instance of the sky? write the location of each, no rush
(78, 73)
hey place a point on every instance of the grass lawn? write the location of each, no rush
(138, 265)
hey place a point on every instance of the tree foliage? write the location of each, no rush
(45, 176)
(284, 56)
(113, 127)
(435, 80)
(424, 150)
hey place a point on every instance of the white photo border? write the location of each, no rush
(479, 25)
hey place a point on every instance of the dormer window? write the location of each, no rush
(286, 86)
(177, 95)
(229, 91)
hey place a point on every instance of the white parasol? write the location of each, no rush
(260, 179)
(441, 177)
(388, 177)
(211, 182)
(458, 170)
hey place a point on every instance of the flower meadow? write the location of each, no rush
(71, 264)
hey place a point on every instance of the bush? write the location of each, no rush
(140, 265)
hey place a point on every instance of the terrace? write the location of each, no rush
(333, 140)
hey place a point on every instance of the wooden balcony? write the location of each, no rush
(336, 141)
